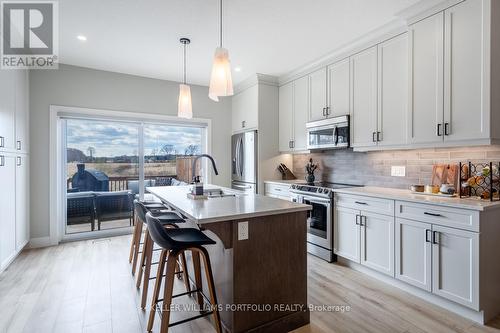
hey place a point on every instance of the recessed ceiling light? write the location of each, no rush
(237, 69)
(81, 37)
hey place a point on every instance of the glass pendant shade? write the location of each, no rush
(221, 82)
(185, 108)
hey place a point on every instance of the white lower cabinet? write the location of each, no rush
(413, 250)
(377, 242)
(455, 265)
(346, 233)
(7, 209)
(22, 201)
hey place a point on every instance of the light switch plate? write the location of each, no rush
(243, 230)
(398, 171)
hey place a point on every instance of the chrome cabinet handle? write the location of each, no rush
(18, 145)
(2, 142)
(2, 160)
(435, 237)
(18, 161)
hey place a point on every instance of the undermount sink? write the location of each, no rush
(217, 193)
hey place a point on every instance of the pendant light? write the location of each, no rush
(185, 108)
(221, 83)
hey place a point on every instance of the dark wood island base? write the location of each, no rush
(261, 282)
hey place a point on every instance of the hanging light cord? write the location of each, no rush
(221, 23)
(184, 63)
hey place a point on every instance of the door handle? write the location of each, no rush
(243, 124)
(2, 161)
(360, 203)
(427, 239)
(18, 145)
(379, 135)
(293, 143)
(439, 129)
(374, 134)
(324, 112)
(2, 142)
(242, 186)
(290, 144)
(446, 129)
(435, 237)
(327, 111)
(361, 222)
(18, 161)
(357, 219)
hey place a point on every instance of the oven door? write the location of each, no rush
(319, 222)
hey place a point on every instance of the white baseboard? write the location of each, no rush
(40, 242)
(476, 316)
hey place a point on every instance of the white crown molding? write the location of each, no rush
(376, 36)
(257, 78)
(425, 8)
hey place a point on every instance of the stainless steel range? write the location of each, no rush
(320, 218)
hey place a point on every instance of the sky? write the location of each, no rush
(117, 139)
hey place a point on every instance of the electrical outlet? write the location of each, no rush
(398, 171)
(242, 230)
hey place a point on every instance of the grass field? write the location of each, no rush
(167, 168)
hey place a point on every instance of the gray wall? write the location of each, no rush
(82, 87)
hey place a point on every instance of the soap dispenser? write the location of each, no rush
(197, 186)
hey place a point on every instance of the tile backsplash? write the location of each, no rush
(374, 168)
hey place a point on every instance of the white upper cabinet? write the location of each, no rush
(300, 111)
(426, 80)
(22, 111)
(393, 91)
(245, 108)
(338, 88)
(466, 111)
(286, 117)
(364, 98)
(7, 109)
(318, 90)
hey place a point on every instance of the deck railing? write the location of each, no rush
(121, 183)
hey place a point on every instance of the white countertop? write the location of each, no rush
(407, 195)
(210, 210)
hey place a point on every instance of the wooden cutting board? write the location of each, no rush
(445, 174)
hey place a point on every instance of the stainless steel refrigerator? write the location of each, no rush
(244, 161)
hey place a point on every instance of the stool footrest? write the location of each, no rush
(190, 319)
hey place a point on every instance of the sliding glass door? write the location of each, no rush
(110, 163)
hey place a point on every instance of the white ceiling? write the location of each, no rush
(263, 36)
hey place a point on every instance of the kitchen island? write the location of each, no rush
(259, 261)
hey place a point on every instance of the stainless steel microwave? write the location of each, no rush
(331, 133)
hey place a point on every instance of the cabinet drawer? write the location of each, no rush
(445, 216)
(277, 189)
(367, 204)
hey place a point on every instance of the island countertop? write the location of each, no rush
(241, 206)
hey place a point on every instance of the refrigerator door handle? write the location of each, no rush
(241, 156)
(237, 157)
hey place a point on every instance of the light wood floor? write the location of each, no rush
(87, 287)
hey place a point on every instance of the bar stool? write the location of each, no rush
(138, 225)
(174, 242)
(167, 219)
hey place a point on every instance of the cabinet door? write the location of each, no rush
(377, 242)
(426, 80)
(300, 112)
(22, 201)
(7, 208)
(414, 253)
(286, 117)
(339, 88)
(22, 111)
(393, 91)
(455, 265)
(364, 97)
(346, 234)
(245, 109)
(466, 102)
(7, 109)
(317, 88)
